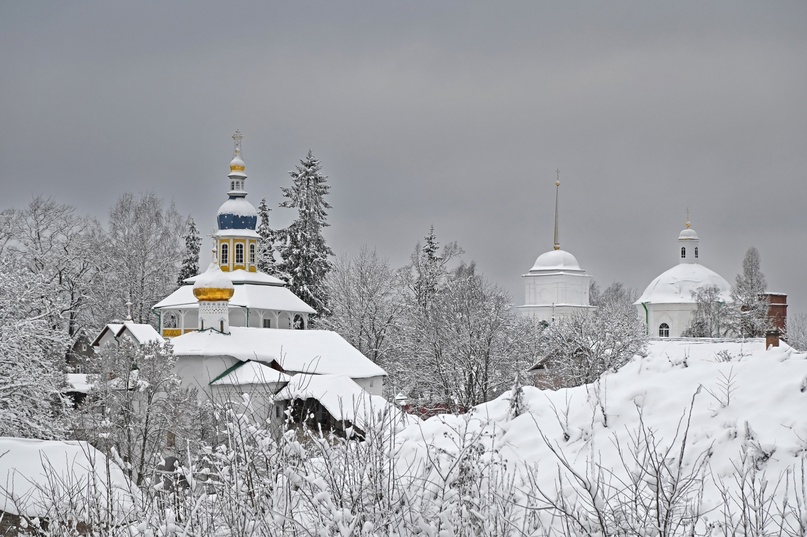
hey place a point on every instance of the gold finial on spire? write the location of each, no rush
(557, 189)
(237, 164)
(688, 224)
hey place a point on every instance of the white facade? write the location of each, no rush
(555, 287)
(667, 304)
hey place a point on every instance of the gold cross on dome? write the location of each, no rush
(237, 139)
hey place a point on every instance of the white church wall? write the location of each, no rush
(198, 371)
(676, 316)
(372, 385)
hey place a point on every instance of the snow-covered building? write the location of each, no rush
(236, 331)
(555, 286)
(667, 304)
(129, 330)
(259, 300)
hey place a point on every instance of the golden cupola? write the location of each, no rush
(213, 290)
(213, 286)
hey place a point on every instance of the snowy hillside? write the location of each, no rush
(734, 413)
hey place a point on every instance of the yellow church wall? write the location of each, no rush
(231, 259)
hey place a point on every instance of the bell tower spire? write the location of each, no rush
(557, 190)
(236, 238)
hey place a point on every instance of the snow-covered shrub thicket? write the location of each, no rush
(583, 346)
(136, 410)
(32, 353)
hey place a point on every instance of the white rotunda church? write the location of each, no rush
(556, 286)
(667, 304)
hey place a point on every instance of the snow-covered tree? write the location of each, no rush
(796, 331)
(145, 252)
(62, 248)
(305, 255)
(463, 344)
(136, 407)
(428, 268)
(365, 302)
(711, 318)
(32, 357)
(583, 346)
(190, 262)
(266, 241)
(750, 303)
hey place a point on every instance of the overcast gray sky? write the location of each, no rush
(447, 113)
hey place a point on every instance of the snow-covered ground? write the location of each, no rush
(716, 414)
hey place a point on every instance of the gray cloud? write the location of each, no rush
(450, 113)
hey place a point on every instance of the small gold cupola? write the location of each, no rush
(213, 290)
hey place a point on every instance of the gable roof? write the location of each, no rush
(320, 352)
(140, 333)
(250, 373)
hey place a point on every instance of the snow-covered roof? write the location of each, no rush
(244, 276)
(555, 260)
(234, 232)
(675, 286)
(250, 373)
(141, 333)
(267, 297)
(77, 382)
(212, 278)
(39, 477)
(111, 327)
(297, 351)
(344, 400)
(237, 207)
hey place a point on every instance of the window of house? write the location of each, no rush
(232, 185)
(664, 330)
(267, 323)
(251, 254)
(225, 254)
(696, 252)
(239, 254)
(683, 252)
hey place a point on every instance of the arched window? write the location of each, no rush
(696, 252)
(239, 254)
(170, 321)
(267, 323)
(251, 254)
(683, 252)
(664, 330)
(225, 254)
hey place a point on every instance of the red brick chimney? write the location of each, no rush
(777, 310)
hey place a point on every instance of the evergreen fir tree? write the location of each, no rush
(266, 247)
(190, 262)
(305, 254)
(751, 306)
